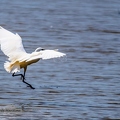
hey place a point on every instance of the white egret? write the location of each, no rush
(18, 58)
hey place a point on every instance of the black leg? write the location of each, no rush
(23, 79)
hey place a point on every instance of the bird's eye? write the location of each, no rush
(42, 49)
(39, 49)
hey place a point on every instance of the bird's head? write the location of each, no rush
(39, 49)
(37, 52)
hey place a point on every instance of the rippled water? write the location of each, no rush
(83, 86)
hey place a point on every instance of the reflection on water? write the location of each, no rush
(85, 85)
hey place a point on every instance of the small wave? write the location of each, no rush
(102, 30)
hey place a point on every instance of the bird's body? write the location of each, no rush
(18, 58)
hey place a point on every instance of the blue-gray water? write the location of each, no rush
(83, 86)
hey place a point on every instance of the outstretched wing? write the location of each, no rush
(10, 43)
(48, 54)
(45, 54)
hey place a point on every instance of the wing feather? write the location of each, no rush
(45, 54)
(48, 54)
(10, 43)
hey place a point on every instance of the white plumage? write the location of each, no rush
(11, 45)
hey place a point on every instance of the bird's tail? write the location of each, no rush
(7, 66)
(11, 68)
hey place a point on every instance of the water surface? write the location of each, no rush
(83, 86)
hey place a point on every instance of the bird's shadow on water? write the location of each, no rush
(19, 111)
(17, 107)
(26, 102)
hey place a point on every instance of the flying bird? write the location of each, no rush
(18, 58)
